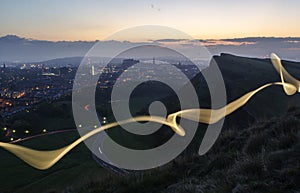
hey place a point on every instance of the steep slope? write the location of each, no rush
(261, 158)
(242, 75)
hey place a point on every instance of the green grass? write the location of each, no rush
(74, 169)
(249, 159)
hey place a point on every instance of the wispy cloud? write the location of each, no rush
(226, 43)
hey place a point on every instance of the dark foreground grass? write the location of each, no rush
(261, 158)
(76, 169)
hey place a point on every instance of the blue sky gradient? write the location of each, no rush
(92, 19)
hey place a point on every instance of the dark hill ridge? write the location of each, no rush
(242, 75)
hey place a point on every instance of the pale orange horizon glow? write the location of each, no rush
(91, 20)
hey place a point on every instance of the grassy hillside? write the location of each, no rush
(261, 158)
(242, 75)
(252, 154)
(75, 169)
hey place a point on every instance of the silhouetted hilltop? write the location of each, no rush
(242, 75)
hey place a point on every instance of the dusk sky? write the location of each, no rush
(92, 19)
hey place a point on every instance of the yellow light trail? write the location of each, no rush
(45, 159)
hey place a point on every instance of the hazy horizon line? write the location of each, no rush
(95, 40)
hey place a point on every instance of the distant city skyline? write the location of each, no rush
(90, 20)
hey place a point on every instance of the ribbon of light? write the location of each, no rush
(46, 159)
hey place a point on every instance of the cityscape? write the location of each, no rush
(149, 96)
(25, 86)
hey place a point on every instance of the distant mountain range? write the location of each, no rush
(17, 49)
